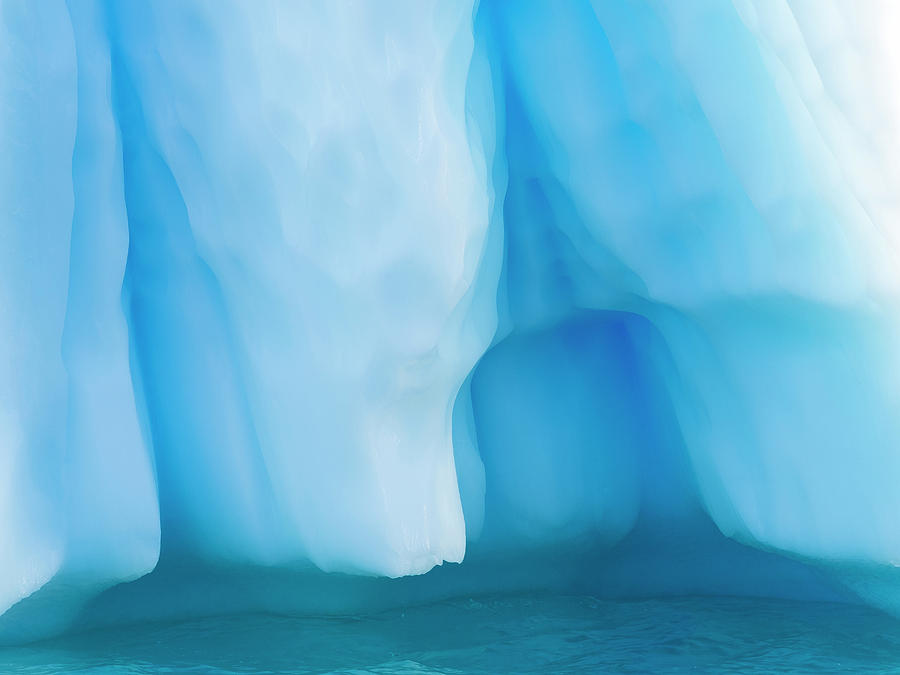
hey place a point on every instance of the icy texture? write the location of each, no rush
(352, 287)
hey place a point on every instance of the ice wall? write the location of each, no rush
(679, 166)
(362, 288)
(700, 224)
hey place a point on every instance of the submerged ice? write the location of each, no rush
(598, 294)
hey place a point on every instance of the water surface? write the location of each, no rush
(501, 634)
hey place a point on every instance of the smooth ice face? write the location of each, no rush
(305, 222)
(580, 287)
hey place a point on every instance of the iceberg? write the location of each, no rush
(299, 301)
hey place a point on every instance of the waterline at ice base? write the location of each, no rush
(456, 311)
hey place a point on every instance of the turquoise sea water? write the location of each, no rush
(518, 634)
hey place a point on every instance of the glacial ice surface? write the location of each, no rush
(298, 298)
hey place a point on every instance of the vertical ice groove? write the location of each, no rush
(113, 520)
(198, 423)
